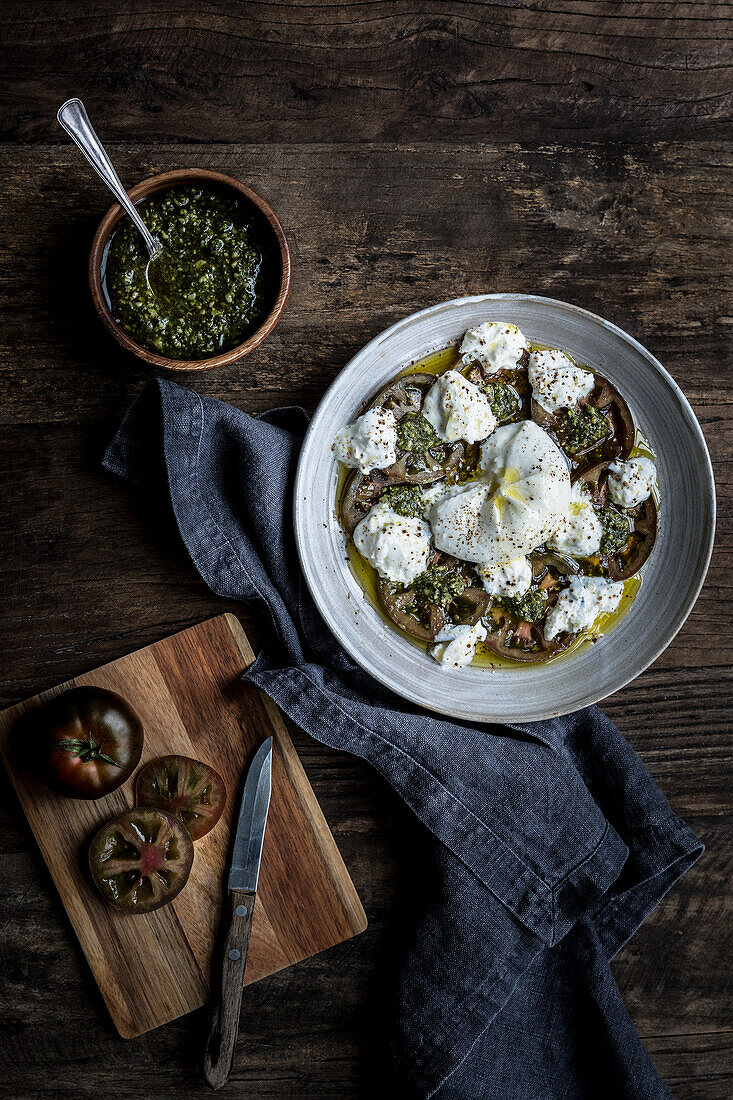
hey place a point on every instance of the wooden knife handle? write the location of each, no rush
(227, 987)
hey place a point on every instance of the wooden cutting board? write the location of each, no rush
(152, 968)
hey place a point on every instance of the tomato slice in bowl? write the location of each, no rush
(193, 792)
(141, 859)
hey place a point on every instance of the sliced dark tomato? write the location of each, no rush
(191, 791)
(547, 420)
(593, 476)
(607, 399)
(426, 468)
(399, 606)
(472, 605)
(141, 859)
(629, 560)
(547, 566)
(402, 607)
(556, 425)
(622, 432)
(360, 493)
(519, 640)
(516, 379)
(404, 395)
(475, 372)
(522, 641)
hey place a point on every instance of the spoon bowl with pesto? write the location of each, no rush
(216, 289)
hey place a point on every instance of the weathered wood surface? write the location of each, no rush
(410, 69)
(414, 151)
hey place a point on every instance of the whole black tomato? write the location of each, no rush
(85, 742)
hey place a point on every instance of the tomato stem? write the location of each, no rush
(86, 750)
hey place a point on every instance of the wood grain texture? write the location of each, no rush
(188, 693)
(640, 235)
(414, 150)
(381, 70)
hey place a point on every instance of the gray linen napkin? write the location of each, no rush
(554, 842)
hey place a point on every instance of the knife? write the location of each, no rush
(228, 969)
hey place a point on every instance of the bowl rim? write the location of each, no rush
(149, 186)
(300, 491)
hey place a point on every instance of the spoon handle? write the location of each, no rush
(73, 117)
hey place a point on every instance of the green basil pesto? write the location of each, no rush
(615, 530)
(583, 428)
(438, 585)
(406, 500)
(211, 280)
(416, 434)
(503, 400)
(529, 608)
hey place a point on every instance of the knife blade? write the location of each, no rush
(241, 891)
(250, 833)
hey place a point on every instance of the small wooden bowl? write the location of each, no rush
(161, 182)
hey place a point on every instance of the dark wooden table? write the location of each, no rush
(415, 151)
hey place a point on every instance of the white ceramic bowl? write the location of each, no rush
(672, 577)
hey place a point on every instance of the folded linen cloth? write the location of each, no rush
(554, 842)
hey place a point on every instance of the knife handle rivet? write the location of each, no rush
(241, 910)
(234, 954)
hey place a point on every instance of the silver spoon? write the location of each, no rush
(73, 117)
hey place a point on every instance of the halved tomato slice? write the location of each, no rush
(424, 469)
(404, 398)
(401, 604)
(193, 792)
(406, 394)
(606, 399)
(140, 860)
(521, 641)
(518, 639)
(361, 493)
(629, 560)
(515, 379)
